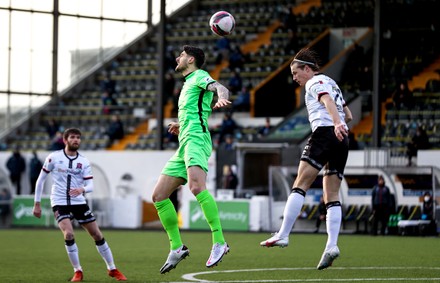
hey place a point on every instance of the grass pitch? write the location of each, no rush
(38, 255)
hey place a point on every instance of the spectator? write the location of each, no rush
(288, 19)
(57, 142)
(108, 84)
(227, 127)
(115, 130)
(419, 141)
(288, 24)
(428, 207)
(402, 97)
(16, 166)
(52, 127)
(108, 103)
(381, 204)
(264, 131)
(229, 180)
(322, 213)
(224, 47)
(35, 166)
(292, 42)
(236, 59)
(235, 82)
(243, 100)
(5, 206)
(229, 143)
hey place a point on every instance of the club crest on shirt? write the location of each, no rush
(78, 165)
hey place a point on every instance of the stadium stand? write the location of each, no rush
(263, 41)
(418, 63)
(134, 71)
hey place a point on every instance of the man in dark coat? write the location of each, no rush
(381, 203)
(16, 166)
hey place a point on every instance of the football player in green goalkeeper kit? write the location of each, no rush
(190, 162)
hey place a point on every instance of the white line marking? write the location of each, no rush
(191, 277)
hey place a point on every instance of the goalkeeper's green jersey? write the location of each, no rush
(195, 104)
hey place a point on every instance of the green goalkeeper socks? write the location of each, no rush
(210, 210)
(168, 216)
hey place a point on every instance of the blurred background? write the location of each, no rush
(107, 67)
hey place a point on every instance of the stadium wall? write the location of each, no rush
(116, 190)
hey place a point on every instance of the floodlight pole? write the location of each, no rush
(56, 15)
(375, 137)
(160, 76)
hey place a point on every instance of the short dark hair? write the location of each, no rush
(307, 57)
(71, 131)
(197, 53)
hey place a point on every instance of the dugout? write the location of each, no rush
(252, 160)
(408, 186)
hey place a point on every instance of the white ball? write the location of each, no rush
(222, 23)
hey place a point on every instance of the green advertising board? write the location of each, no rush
(23, 215)
(234, 216)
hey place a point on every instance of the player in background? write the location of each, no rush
(190, 162)
(327, 148)
(72, 179)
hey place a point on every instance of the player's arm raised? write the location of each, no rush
(222, 93)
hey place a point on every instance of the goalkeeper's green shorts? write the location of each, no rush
(195, 150)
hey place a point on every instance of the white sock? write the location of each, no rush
(292, 209)
(107, 255)
(72, 253)
(333, 224)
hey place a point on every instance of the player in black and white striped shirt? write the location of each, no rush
(72, 179)
(327, 148)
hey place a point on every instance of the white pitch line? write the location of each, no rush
(323, 280)
(191, 277)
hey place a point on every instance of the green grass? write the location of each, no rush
(36, 255)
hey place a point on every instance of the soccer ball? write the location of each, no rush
(222, 23)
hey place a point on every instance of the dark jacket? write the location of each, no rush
(16, 164)
(116, 130)
(381, 197)
(35, 166)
